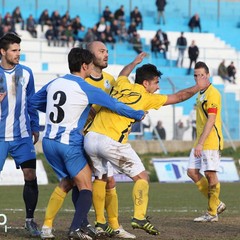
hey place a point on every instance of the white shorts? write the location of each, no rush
(102, 149)
(209, 161)
(111, 170)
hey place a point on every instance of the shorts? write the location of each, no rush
(209, 161)
(102, 149)
(111, 170)
(65, 160)
(21, 150)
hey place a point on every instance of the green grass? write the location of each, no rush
(170, 205)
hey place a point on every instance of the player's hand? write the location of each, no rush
(198, 150)
(2, 96)
(145, 113)
(35, 137)
(140, 57)
(202, 81)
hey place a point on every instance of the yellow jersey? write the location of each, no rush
(106, 83)
(135, 95)
(209, 102)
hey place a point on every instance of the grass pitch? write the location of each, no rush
(172, 208)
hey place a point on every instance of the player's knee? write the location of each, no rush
(110, 183)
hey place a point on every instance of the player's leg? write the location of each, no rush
(92, 143)
(111, 206)
(193, 171)
(210, 167)
(23, 153)
(83, 204)
(54, 205)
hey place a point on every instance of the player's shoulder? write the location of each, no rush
(108, 75)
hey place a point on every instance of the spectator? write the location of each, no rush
(56, 19)
(31, 26)
(115, 28)
(44, 19)
(17, 17)
(131, 30)
(194, 22)
(192, 120)
(67, 17)
(78, 28)
(69, 35)
(160, 130)
(120, 14)
(50, 36)
(160, 8)
(136, 17)
(137, 43)
(89, 36)
(223, 72)
(100, 27)
(193, 53)
(8, 21)
(110, 36)
(163, 38)
(232, 72)
(108, 15)
(181, 45)
(123, 32)
(180, 129)
(157, 47)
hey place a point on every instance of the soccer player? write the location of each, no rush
(107, 139)
(205, 154)
(67, 101)
(104, 81)
(19, 122)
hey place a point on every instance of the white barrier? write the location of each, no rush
(4, 222)
(175, 169)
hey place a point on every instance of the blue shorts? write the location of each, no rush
(65, 160)
(20, 150)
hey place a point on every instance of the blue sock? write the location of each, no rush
(83, 205)
(75, 194)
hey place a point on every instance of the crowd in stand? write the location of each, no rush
(112, 27)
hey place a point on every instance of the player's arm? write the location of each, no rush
(206, 131)
(99, 97)
(182, 95)
(128, 68)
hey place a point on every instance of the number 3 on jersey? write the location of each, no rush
(59, 98)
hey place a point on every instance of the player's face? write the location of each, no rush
(200, 73)
(11, 56)
(100, 56)
(153, 85)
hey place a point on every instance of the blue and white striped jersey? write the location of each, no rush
(67, 101)
(17, 117)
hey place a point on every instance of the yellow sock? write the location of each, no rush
(213, 199)
(54, 204)
(99, 194)
(140, 198)
(111, 206)
(202, 186)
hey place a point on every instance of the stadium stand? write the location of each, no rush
(218, 40)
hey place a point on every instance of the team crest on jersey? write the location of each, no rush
(107, 84)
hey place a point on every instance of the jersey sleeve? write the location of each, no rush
(32, 112)
(213, 103)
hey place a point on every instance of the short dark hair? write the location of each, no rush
(202, 65)
(146, 72)
(76, 57)
(7, 39)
